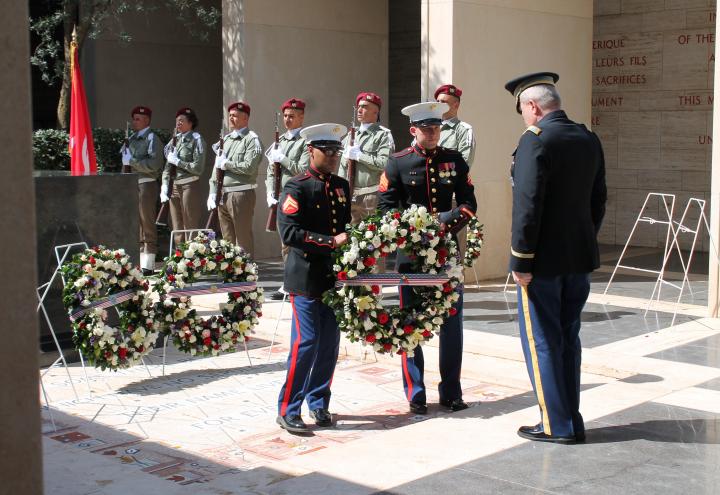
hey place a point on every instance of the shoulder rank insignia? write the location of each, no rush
(383, 187)
(534, 129)
(290, 206)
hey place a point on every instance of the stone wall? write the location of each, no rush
(652, 100)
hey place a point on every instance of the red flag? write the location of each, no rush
(82, 149)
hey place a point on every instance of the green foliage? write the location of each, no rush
(50, 148)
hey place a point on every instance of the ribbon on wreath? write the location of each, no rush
(416, 279)
(212, 288)
(106, 302)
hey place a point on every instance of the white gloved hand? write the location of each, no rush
(211, 202)
(173, 158)
(220, 162)
(276, 155)
(271, 200)
(353, 152)
(126, 156)
(164, 194)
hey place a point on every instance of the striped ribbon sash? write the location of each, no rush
(396, 279)
(212, 288)
(111, 300)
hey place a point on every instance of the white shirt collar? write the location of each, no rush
(364, 126)
(144, 131)
(237, 132)
(292, 133)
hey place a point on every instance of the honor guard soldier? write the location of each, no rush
(372, 147)
(314, 210)
(144, 155)
(293, 156)
(240, 157)
(559, 196)
(428, 175)
(454, 133)
(188, 158)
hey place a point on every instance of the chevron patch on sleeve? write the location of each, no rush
(290, 206)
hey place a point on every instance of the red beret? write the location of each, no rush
(448, 89)
(371, 97)
(241, 106)
(293, 104)
(141, 110)
(185, 111)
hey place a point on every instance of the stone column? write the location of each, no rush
(714, 269)
(20, 449)
(478, 45)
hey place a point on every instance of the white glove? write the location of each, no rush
(271, 200)
(353, 152)
(173, 158)
(164, 194)
(221, 162)
(276, 155)
(126, 156)
(211, 202)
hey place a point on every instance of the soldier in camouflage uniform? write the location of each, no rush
(454, 133)
(188, 156)
(144, 155)
(240, 158)
(373, 146)
(293, 156)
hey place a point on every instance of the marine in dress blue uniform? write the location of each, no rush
(559, 195)
(314, 211)
(427, 175)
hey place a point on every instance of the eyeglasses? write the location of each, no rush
(330, 151)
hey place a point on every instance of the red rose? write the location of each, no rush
(369, 261)
(122, 352)
(207, 341)
(383, 318)
(91, 260)
(442, 252)
(171, 278)
(203, 262)
(219, 257)
(372, 228)
(447, 288)
(408, 329)
(453, 311)
(376, 289)
(400, 240)
(342, 276)
(387, 347)
(118, 256)
(370, 338)
(140, 349)
(108, 354)
(189, 264)
(426, 333)
(411, 229)
(396, 215)
(178, 253)
(216, 347)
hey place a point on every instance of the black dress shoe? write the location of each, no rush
(417, 408)
(536, 433)
(580, 436)
(147, 272)
(277, 296)
(293, 424)
(322, 417)
(455, 404)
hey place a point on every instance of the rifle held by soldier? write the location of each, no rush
(351, 163)
(127, 169)
(219, 179)
(271, 225)
(163, 213)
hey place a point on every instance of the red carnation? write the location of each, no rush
(396, 215)
(383, 318)
(140, 349)
(387, 347)
(369, 261)
(426, 333)
(411, 228)
(400, 240)
(171, 278)
(372, 227)
(219, 257)
(216, 346)
(178, 253)
(447, 288)
(442, 252)
(207, 341)
(122, 352)
(91, 260)
(408, 329)
(453, 311)
(370, 338)
(189, 264)
(118, 256)
(342, 276)
(376, 289)
(203, 262)
(108, 354)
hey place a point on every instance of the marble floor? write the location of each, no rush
(651, 401)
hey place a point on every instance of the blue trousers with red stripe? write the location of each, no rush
(314, 344)
(450, 349)
(549, 311)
